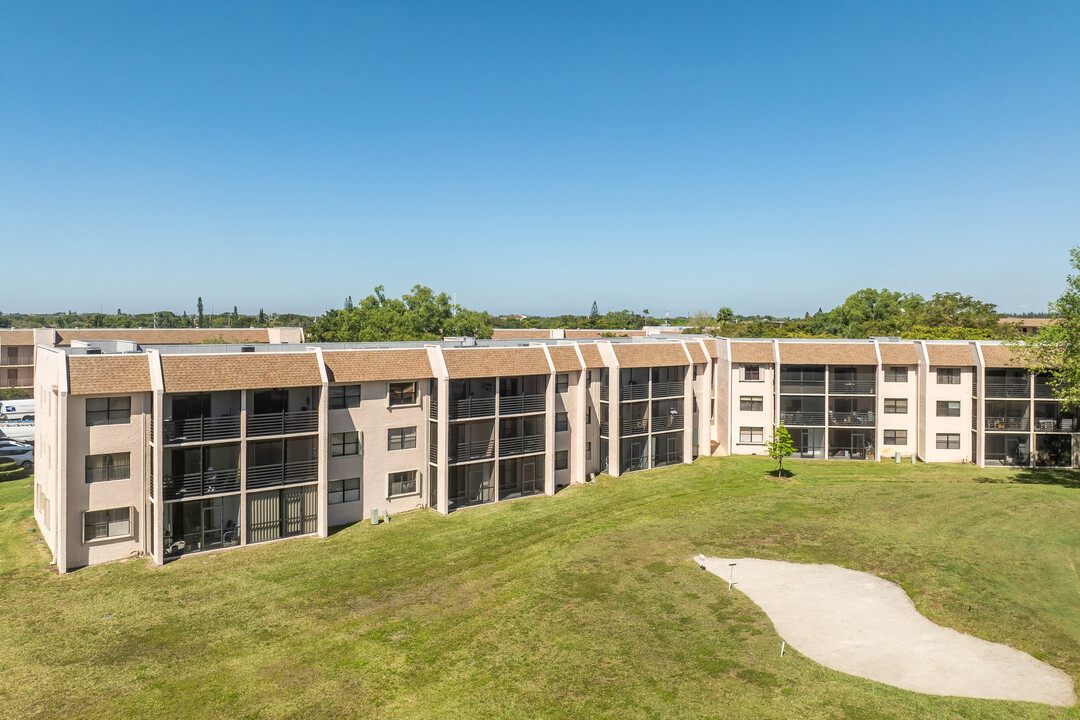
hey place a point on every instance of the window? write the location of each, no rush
(948, 376)
(588, 375)
(588, 451)
(403, 394)
(948, 408)
(111, 466)
(343, 491)
(896, 374)
(751, 372)
(346, 443)
(101, 524)
(344, 396)
(748, 402)
(896, 406)
(562, 382)
(896, 437)
(402, 483)
(588, 414)
(751, 435)
(562, 459)
(108, 411)
(562, 422)
(948, 441)
(401, 438)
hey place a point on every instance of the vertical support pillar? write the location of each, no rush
(688, 411)
(549, 433)
(243, 468)
(442, 505)
(322, 495)
(157, 543)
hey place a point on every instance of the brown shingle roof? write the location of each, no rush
(898, 354)
(947, 355)
(16, 337)
(752, 352)
(493, 362)
(99, 374)
(564, 358)
(696, 353)
(159, 336)
(1001, 356)
(834, 353)
(520, 334)
(233, 371)
(649, 354)
(373, 365)
(591, 354)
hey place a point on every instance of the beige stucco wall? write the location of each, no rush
(896, 421)
(762, 388)
(958, 425)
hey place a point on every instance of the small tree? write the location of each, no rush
(199, 307)
(594, 313)
(725, 315)
(780, 447)
(1055, 350)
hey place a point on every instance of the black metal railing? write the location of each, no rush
(262, 476)
(433, 409)
(639, 426)
(191, 485)
(433, 454)
(1046, 424)
(479, 450)
(604, 429)
(666, 389)
(604, 392)
(662, 423)
(1007, 423)
(802, 417)
(472, 407)
(851, 387)
(287, 423)
(1008, 389)
(201, 429)
(524, 445)
(16, 360)
(802, 387)
(854, 419)
(1044, 390)
(518, 404)
(634, 392)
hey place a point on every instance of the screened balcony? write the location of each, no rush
(1007, 383)
(473, 440)
(809, 443)
(1053, 451)
(633, 384)
(1007, 415)
(634, 419)
(847, 444)
(201, 417)
(1009, 450)
(200, 525)
(196, 471)
(282, 462)
(633, 454)
(518, 395)
(852, 380)
(521, 435)
(667, 381)
(667, 415)
(471, 485)
(521, 477)
(472, 398)
(1045, 387)
(851, 411)
(802, 379)
(1050, 417)
(802, 411)
(283, 411)
(667, 449)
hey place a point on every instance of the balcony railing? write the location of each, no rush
(1047, 424)
(262, 476)
(802, 418)
(634, 427)
(518, 404)
(472, 407)
(604, 429)
(1017, 459)
(1043, 390)
(663, 423)
(1007, 423)
(604, 392)
(283, 423)
(634, 392)
(195, 484)
(854, 419)
(524, 445)
(201, 429)
(9, 360)
(802, 387)
(473, 451)
(433, 409)
(667, 389)
(1007, 389)
(851, 387)
(433, 454)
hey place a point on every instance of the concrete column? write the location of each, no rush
(496, 434)
(243, 467)
(979, 451)
(443, 426)
(322, 495)
(549, 434)
(158, 460)
(688, 411)
(62, 481)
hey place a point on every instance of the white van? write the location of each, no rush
(11, 410)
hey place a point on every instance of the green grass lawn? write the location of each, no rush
(581, 605)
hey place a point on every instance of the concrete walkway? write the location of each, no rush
(862, 625)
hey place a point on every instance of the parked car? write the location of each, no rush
(16, 410)
(23, 455)
(21, 431)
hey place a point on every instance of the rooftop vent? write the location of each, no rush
(247, 348)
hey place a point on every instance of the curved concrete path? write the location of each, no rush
(862, 625)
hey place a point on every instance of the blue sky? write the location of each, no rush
(533, 157)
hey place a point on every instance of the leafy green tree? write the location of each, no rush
(780, 447)
(199, 307)
(1055, 350)
(594, 313)
(725, 315)
(262, 318)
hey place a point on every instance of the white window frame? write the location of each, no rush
(896, 436)
(403, 437)
(416, 393)
(748, 431)
(757, 371)
(417, 477)
(106, 538)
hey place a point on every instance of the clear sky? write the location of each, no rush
(534, 156)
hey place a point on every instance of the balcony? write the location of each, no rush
(631, 426)
(1059, 424)
(666, 389)
(202, 429)
(216, 482)
(604, 393)
(472, 408)
(802, 387)
(663, 423)
(801, 418)
(634, 392)
(1045, 390)
(851, 387)
(13, 360)
(520, 404)
(479, 450)
(290, 473)
(1007, 423)
(604, 429)
(853, 419)
(433, 409)
(287, 423)
(1007, 389)
(433, 454)
(525, 445)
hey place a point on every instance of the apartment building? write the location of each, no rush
(170, 450)
(17, 347)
